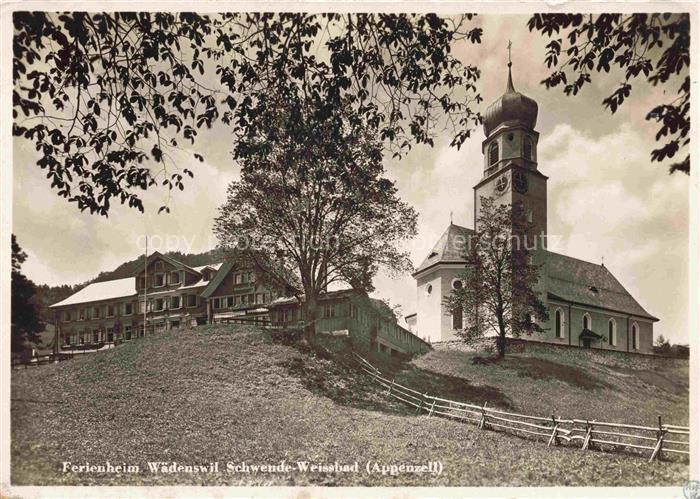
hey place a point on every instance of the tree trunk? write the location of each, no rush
(501, 344)
(310, 308)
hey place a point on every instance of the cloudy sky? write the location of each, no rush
(605, 198)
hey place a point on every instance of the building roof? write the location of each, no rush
(586, 283)
(98, 291)
(588, 334)
(213, 266)
(329, 295)
(450, 248)
(217, 279)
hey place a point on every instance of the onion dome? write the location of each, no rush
(510, 108)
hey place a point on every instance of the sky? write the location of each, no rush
(606, 200)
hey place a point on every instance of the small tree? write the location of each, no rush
(25, 323)
(312, 207)
(498, 285)
(662, 344)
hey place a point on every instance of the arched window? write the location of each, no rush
(457, 318)
(559, 323)
(612, 332)
(635, 339)
(493, 153)
(527, 148)
(586, 321)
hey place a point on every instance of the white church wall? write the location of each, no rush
(428, 325)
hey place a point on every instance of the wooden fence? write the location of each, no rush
(588, 434)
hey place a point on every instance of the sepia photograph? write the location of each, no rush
(315, 246)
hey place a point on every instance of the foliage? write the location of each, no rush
(25, 323)
(497, 294)
(312, 208)
(107, 98)
(655, 47)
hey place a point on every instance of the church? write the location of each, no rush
(587, 305)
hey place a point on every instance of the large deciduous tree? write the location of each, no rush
(25, 324)
(498, 286)
(107, 98)
(655, 47)
(312, 207)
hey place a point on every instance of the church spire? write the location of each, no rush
(510, 89)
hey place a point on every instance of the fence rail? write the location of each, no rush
(586, 433)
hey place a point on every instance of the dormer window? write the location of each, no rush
(493, 153)
(432, 254)
(158, 265)
(527, 148)
(593, 290)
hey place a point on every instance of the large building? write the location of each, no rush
(163, 294)
(587, 305)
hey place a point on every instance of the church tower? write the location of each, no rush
(510, 158)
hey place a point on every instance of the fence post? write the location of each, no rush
(660, 433)
(553, 438)
(483, 416)
(391, 386)
(420, 406)
(587, 438)
(432, 407)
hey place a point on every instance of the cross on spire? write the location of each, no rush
(509, 86)
(510, 44)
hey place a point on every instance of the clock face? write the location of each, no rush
(502, 184)
(519, 182)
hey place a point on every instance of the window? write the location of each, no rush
(251, 298)
(559, 323)
(110, 310)
(457, 318)
(95, 335)
(175, 302)
(251, 276)
(586, 321)
(158, 265)
(429, 289)
(160, 304)
(527, 148)
(96, 312)
(82, 314)
(244, 278)
(66, 316)
(205, 275)
(612, 332)
(141, 283)
(217, 303)
(635, 338)
(230, 301)
(175, 277)
(328, 310)
(493, 153)
(191, 301)
(128, 308)
(457, 284)
(159, 280)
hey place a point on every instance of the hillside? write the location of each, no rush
(230, 393)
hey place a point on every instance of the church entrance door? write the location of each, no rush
(586, 342)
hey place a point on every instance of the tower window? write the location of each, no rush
(586, 321)
(493, 154)
(527, 148)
